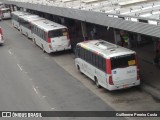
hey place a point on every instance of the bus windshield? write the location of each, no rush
(123, 61)
(57, 33)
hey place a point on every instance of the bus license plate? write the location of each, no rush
(125, 86)
(131, 62)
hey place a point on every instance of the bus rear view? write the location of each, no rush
(5, 13)
(59, 39)
(108, 65)
(125, 71)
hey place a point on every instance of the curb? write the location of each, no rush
(155, 93)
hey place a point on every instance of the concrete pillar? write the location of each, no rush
(84, 30)
(24, 9)
(115, 36)
(12, 7)
(62, 20)
(155, 41)
(139, 39)
(15, 8)
(21, 9)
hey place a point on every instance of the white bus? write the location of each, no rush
(5, 13)
(15, 18)
(110, 66)
(1, 5)
(50, 36)
(25, 23)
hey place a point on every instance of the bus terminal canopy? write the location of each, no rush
(140, 16)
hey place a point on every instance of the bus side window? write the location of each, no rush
(94, 59)
(97, 61)
(82, 55)
(89, 57)
(104, 64)
(85, 54)
(100, 62)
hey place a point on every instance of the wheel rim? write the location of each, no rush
(78, 67)
(97, 83)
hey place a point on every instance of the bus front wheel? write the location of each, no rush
(43, 49)
(27, 35)
(96, 82)
(79, 68)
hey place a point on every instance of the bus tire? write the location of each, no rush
(27, 35)
(43, 48)
(34, 42)
(79, 68)
(96, 82)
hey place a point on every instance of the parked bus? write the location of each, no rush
(5, 13)
(1, 5)
(15, 18)
(110, 66)
(50, 36)
(25, 23)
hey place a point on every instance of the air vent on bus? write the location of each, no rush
(102, 47)
(46, 22)
(112, 50)
(53, 25)
(105, 46)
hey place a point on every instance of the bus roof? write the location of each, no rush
(104, 48)
(31, 17)
(48, 25)
(20, 13)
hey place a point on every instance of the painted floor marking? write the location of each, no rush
(10, 52)
(35, 90)
(20, 67)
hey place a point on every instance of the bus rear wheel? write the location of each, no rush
(34, 41)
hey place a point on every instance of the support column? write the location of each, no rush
(12, 7)
(84, 30)
(115, 36)
(62, 21)
(21, 9)
(15, 8)
(139, 39)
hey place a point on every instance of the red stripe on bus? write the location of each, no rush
(108, 66)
